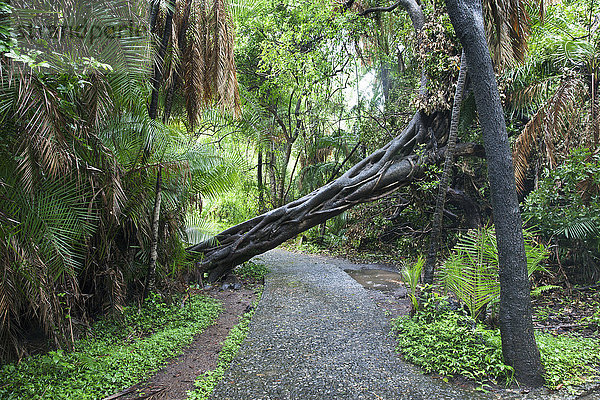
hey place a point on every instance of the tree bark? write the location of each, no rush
(151, 274)
(438, 215)
(259, 179)
(518, 342)
(272, 175)
(282, 178)
(159, 62)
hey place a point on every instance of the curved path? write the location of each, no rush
(317, 334)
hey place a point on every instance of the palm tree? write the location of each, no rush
(79, 156)
(560, 76)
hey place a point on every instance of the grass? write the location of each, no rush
(117, 354)
(442, 341)
(206, 383)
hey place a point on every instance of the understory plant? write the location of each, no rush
(566, 209)
(442, 341)
(251, 271)
(118, 353)
(411, 274)
(471, 271)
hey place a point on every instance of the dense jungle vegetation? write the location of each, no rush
(122, 147)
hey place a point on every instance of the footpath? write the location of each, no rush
(317, 334)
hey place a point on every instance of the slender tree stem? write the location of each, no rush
(438, 215)
(159, 62)
(151, 275)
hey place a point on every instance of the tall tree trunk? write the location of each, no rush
(438, 215)
(151, 273)
(155, 81)
(518, 342)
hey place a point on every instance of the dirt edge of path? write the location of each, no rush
(176, 378)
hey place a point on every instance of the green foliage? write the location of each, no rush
(569, 361)
(439, 340)
(233, 206)
(411, 274)
(206, 383)
(251, 271)
(439, 54)
(471, 271)
(566, 210)
(116, 355)
(79, 162)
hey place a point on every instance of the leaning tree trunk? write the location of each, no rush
(518, 342)
(382, 172)
(438, 215)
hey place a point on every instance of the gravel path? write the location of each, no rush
(318, 335)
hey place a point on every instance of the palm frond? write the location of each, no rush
(554, 117)
(580, 229)
(507, 28)
(471, 272)
(197, 230)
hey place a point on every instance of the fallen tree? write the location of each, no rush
(387, 169)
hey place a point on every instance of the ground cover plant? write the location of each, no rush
(441, 338)
(118, 352)
(251, 272)
(206, 383)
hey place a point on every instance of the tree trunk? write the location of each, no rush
(438, 215)
(259, 181)
(381, 173)
(282, 178)
(272, 176)
(159, 62)
(151, 274)
(516, 327)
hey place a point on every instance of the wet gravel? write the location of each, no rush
(317, 334)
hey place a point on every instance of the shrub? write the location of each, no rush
(566, 210)
(439, 340)
(251, 271)
(471, 271)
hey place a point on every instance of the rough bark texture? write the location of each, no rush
(438, 215)
(518, 343)
(381, 173)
